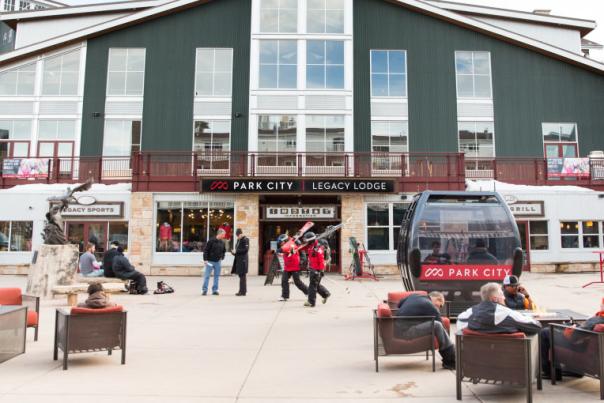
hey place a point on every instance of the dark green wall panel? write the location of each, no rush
(528, 88)
(170, 44)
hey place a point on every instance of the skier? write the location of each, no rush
(317, 251)
(291, 263)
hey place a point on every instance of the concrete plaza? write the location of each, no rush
(184, 347)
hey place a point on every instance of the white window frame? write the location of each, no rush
(325, 9)
(213, 73)
(459, 97)
(325, 65)
(285, 152)
(389, 122)
(212, 132)
(279, 8)
(18, 71)
(126, 72)
(277, 64)
(61, 71)
(560, 142)
(391, 225)
(10, 236)
(580, 234)
(130, 147)
(546, 235)
(406, 74)
(476, 122)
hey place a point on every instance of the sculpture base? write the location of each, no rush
(54, 265)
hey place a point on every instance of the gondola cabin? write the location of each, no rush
(455, 242)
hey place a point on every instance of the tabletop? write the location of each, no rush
(556, 316)
(10, 308)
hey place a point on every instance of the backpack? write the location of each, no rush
(163, 288)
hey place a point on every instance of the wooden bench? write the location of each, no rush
(102, 280)
(73, 290)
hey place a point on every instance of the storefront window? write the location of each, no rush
(570, 234)
(15, 236)
(539, 238)
(591, 234)
(118, 231)
(383, 225)
(187, 226)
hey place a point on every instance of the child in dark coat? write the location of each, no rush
(96, 298)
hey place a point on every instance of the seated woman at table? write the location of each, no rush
(597, 319)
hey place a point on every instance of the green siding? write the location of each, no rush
(528, 88)
(170, 43)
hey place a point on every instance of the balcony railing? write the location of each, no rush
(156, 171)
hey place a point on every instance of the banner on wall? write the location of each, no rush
(25, 168)
(568, 167)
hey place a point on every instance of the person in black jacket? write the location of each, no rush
(492, 316)
(125, 271)
(108, 259)
(425, 305)
(480, 254)
(213, 254)
(240, 263)
(516, 296)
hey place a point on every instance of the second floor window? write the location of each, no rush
(278, 64)
(61, 74)
(279, 16)
(126, 72)
(473, 73)
(325, 16)
(324, 134)
(325, 64)
(277, 133)
(560, 140)
(121, 138)
(18, 81)
(476, 139)
(390, 136)
(213, 72)
(388, 73)
(212, 136)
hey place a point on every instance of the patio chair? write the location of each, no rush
(13, 296)
(394, 297)
(578, 350)
(386, 327)
(503, 358)
(83, 330)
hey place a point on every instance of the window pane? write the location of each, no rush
(288, 20)
(21, 130)
(482, 63)
(168, 228)
(222, 84)
(69, 83)
(51, 83)
(117, 138)
(315, 52)
(334, 21)
(569, 227)
(538, 227)
(463, 62)
(203, 83)
(377, 214)
(568, 132)
(134, 83)
(205, 59)
(136, 60)
(288, 52)
(269, 20)
(268, 76)
(396, 61)
(195, 229)
(379, 85)
(26, 83)
(398, 211)
(482, 86)
(223, 60)
(118, 231)
(570, 242)
(288, 77)
(569, 151)
(590, 227)
(539, 242)
(47, 130)
(315, 21)
(465, 86)
(335, 77)
(117, 59)
(334, 52)
(116, 83)
(21, 236)
(378, 238)
(315, 77)
(268, 51)
(591, 241)
(551, 132)
(397, 87)
(8, 83)
(4, 235)
(379, 61)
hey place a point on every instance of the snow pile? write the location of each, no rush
(57, 188)
(496, 186)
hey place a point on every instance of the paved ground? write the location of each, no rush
(187, 348)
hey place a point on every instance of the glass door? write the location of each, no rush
(80, 233)
(61, 150)
(523, 229)
(75, 235)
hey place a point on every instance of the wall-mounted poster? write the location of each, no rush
(25, 168)
(568, 167)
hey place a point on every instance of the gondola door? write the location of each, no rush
(523, 229)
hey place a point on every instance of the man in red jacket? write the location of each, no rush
(316, 263)
(291, 263)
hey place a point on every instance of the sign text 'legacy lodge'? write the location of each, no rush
(296, 185)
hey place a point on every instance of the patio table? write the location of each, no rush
(13, 327)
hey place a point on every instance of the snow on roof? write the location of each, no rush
(496, 186)
(57, 188)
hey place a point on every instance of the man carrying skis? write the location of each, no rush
(291, 263)
(316, 251)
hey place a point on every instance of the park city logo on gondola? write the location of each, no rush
(296, 186)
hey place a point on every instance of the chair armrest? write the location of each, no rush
(575, 329)
(64, 311)
(31, 302)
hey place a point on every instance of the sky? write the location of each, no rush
(585, 9)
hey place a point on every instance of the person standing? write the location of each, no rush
(213, 254)
(291, 263)
(240, 263)
(316, 252)
(89, 267)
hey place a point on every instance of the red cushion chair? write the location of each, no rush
(579, 351)
(386, 343)
(13, 296)
(394, 297)
(82, 330)
(493, 358)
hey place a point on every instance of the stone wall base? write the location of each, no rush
(195, 271)
(386, 269)
(565, 267)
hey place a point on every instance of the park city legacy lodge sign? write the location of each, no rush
(296, 186)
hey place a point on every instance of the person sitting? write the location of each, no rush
(546, 343)
(96, 298)
(516, 296)
(89, 267)
(436, 257)
(480, 254)
(108, 259)
(426, 305)
(125, 271)
(492, 316)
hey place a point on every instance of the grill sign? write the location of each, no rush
(468, 272)
(296, 186)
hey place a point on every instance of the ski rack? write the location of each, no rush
(360, 259)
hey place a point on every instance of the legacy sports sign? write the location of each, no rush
(297, 186)
(468, 272)
(97, 210)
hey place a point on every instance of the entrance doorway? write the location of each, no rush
(523, 229)
(289, 218)
(80, 232)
